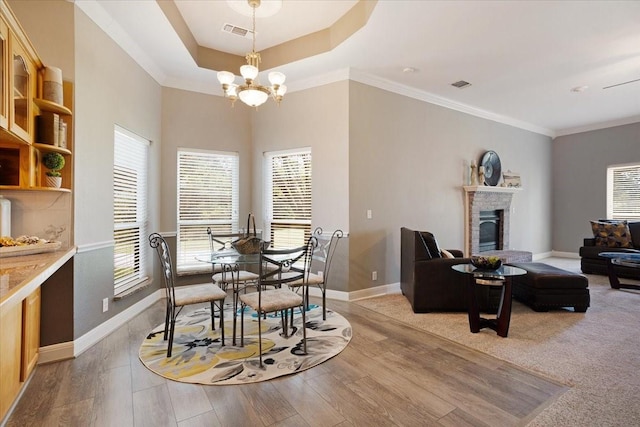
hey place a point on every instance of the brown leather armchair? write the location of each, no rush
(429, 282)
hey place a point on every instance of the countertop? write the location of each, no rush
(21, 275)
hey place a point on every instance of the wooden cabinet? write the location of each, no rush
(21, 149)
(20, 343)
(10, 356)
(30, 333)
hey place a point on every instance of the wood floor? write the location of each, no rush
(389, 375)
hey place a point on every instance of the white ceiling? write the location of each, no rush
(521, 57)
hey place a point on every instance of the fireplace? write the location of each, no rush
(490, 236)
(494, 203)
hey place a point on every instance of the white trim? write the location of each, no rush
(319, 80)
(410, 92)
(95, 246)
(55, 352)
(94, 336)
(543, 255)
(393, 288)
(598, 126)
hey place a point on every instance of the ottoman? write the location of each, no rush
(546, 287)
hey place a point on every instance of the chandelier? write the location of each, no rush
(252, 92)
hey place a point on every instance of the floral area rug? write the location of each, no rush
(198, 356)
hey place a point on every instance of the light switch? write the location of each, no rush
(369, 216)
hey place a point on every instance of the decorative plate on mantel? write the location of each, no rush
(492, 168)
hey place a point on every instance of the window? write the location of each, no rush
(623, 192)
(207, 197)
(288, 197)
(130, 169)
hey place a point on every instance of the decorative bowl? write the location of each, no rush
(486, 263)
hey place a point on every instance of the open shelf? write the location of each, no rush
(45, 105)
(49, 148)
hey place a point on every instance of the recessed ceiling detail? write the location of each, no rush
(306, 46)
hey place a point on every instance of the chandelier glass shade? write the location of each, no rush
(251, 92)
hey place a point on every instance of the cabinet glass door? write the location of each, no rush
(20, 92)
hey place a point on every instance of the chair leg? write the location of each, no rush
(221, 302)
(323, 289)
(241, 326)
(304, 329)
(260, 339)
(166, 322)
(213, 315)
(171, 331)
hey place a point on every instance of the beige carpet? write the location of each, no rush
(596, 353)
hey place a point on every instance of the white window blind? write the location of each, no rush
(623, 192)
(130, 170)
(288, 195)
(207, 197)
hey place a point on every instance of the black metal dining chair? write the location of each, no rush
(322, 254)
(179, 296)
(278, 267)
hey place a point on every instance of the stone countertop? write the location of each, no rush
(21, 275)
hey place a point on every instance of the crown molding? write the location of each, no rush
(598, 126)
(410, 92)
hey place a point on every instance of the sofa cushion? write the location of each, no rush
(612, 234)
(431, 243)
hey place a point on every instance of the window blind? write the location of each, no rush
(130, 170)
(289, 198)
(624, 192)
(207, 197)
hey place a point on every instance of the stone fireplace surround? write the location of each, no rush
(484, 198)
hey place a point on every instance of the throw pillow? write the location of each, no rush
(611, 234)
(446, 254)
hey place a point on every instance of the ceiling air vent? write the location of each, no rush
(461, 84)
(238, 31)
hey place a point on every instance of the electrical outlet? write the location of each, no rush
(374, 275)
(105, 305)
(320, 273)
(369, 214)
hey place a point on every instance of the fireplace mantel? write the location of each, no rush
(482, 197)
(474, 188)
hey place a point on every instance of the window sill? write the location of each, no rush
(132, 290)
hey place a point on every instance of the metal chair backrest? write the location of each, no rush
(326, 248)
(162, 249)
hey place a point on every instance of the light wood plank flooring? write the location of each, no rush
(389, 375)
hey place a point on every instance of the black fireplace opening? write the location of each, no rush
(490, 230)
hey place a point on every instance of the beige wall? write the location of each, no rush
(317, 118)
(580, 163)
(408, 162)
(194, 120)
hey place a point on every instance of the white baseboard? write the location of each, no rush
(543, 255)
(99, 332)
(559, 254)
(356, 295)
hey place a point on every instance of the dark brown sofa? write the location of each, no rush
(591, 263)
(428, 281)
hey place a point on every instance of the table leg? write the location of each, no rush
(474, 311)
(613, 278)
(504, 310)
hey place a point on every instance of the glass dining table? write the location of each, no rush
(231, 262)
